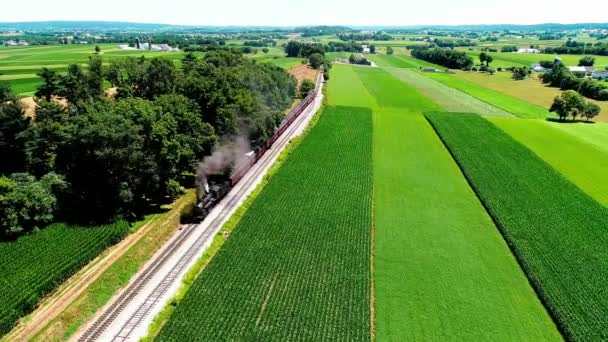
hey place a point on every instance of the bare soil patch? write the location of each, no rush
(303, 72)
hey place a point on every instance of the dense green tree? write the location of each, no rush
(6, 93)
(48, 131)
(568, 103)
(306, 87)
(316, 60)
(483, 57)
(27, 204)
(586, 61)
(389, 50)
(188, 62)
(50, 84)
(13, 123)
(97, 49)
(73, 85)
(489, 59)
(95, 77)
(372, 48)
(591, 110)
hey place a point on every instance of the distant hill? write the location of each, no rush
(118, 26)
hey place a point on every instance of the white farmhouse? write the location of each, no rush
(528, 51)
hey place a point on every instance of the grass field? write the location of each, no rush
(530, 89)
(446, 97)
(557, 232)
(505, 102)
(508, 59)
(297, 266)
(436, 250)
(34, 265)
(400, 61)
(20, 65)
(583, 164)
(594, 134)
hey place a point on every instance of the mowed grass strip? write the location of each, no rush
(297, 266)
(583, 164)
(505, 102)
(446, 97)
(436, 249)
(557, 232)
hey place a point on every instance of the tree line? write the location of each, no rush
(452, 59)
(561, 77)
(96, 159)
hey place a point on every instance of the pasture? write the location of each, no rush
(297, 265)
(510, 59)
(530, 89)
(19, 65)
(511, 104)
(557, 232)
(435, 246)
(594, 134)
(446, 97)
(583, 164)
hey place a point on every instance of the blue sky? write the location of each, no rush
(311, 12)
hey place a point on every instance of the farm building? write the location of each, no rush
(528, 51)
(16, 43)
(365, 49)
(538, 68)
(582, 69)
(152, 47)
(600, 75)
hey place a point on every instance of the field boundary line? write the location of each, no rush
(501, 230)
(372, 299)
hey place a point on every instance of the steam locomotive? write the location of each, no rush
(216, 186)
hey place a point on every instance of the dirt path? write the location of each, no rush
(57, 302)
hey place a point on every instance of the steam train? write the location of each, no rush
(216, 186)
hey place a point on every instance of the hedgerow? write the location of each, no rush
(557, 232)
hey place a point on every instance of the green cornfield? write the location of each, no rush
(34, 265)
(297, 266)
(556, 231)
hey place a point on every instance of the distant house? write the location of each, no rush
(600, 75)
(16, 43)
(528, 51)
(150, 47)
(365, 49)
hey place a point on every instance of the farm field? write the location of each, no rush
(583, 164)
(530, 89)
(594, 134)
(19, 66)
(425, 262)
(400, 61)
(34, 265)
(297, 266)
(446, 97)
(555, 230)
(514, 105)
(509, 59)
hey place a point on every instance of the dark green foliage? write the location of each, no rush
(561, 77)
(556, 231)
(299, 49)
(6, 94)
(586, 61)
(27, 204)
(297, 266)
(306, 87)
(50, 85)
(448, 58)
(12, 125)
(316, 60)
(520, 73)
(33, 265)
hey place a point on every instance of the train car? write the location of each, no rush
(215, 187)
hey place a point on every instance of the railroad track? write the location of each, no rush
(98, 328)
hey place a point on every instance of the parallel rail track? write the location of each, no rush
(101, 324)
